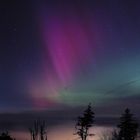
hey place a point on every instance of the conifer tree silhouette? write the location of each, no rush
(84, 122)
(127, 127)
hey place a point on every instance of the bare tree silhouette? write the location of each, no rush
(38, 130)
(112, 135)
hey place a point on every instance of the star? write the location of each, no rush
(15, 29)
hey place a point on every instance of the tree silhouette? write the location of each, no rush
(38, 131)
(127, 127)
(5, 136)
(109, 135)
(106, 135)
(115, 135)
(84, 122)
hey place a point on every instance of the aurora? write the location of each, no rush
(69, 54)
(84, 59)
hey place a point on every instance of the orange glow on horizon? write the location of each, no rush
(64, 132)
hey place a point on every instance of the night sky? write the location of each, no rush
(67, 53)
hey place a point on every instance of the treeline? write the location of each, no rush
(127, 129)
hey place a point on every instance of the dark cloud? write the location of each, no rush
(115, 107)
(105, 116)
(23, 121)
